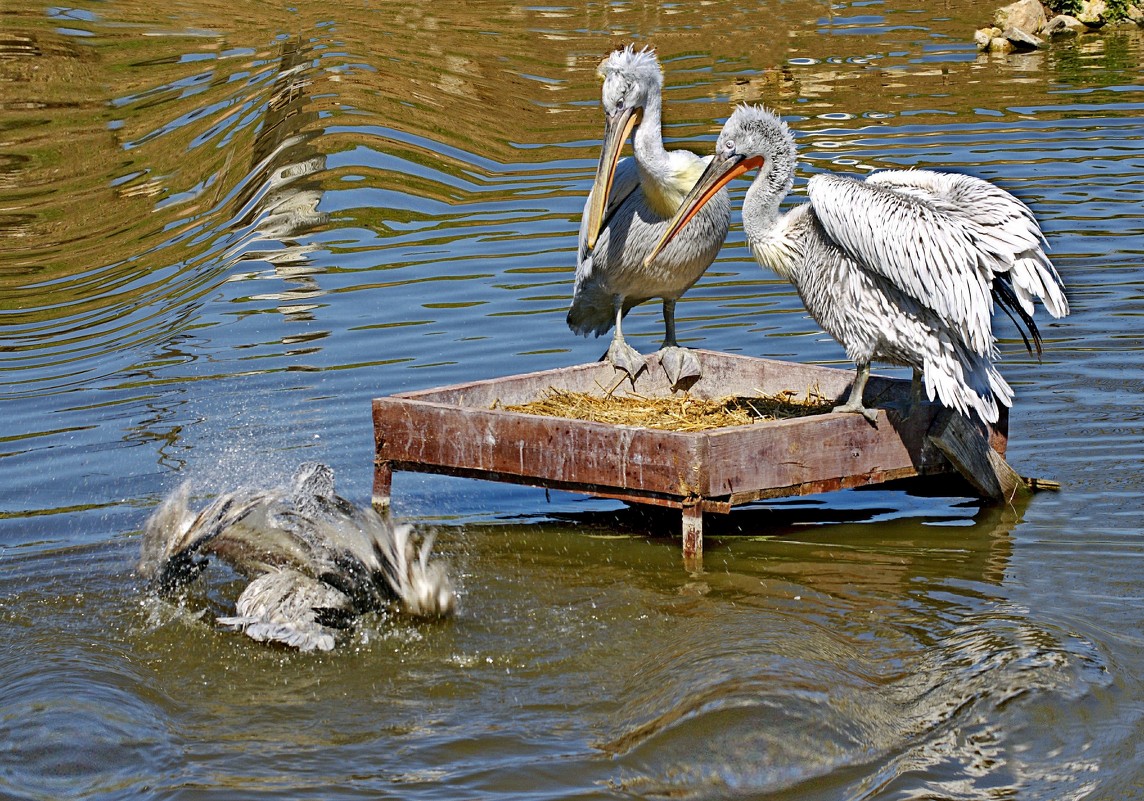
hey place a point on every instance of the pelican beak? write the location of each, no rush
(720, 172)
(616, 131)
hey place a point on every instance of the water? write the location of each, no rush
(226, 227)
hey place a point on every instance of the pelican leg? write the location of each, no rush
(905, 408)
(680, 364)
(916, 389)
(854, 401)
(622, 355)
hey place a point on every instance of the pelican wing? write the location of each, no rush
(1002, 225)
(626, 181)
(173, 537)
(423, 587)
(257, 534)
(940, 238)
(379, 560)
(166, 532)
(291, 608)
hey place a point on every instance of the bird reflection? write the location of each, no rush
(283, 193)
(315, 561)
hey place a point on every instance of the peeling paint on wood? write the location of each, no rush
(464, 430)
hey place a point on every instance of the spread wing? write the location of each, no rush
(291, 608)
(174, 536)
(940, 238)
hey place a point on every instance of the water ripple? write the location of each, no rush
(225, 229)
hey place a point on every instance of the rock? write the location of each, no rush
(984, 36)
(1022, 40)
(1093, 13)
(1024, 15)
(1064, 25)
(999, 44)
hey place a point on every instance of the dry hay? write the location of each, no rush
(682, 413)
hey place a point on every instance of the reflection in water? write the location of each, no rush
(283, 209)
(223, 229)
(846, 650)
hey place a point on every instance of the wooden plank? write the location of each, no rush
(723, 374)
(382, 484)
(517, 389)
(693, 532)
(571, 451)
(645, 497)
(791, 452)
(966, 444)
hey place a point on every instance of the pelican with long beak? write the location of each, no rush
(627, 211)
(902, 268)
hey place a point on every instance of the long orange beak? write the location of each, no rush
(616, 131)
(718, 174)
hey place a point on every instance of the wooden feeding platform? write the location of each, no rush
(467, 430)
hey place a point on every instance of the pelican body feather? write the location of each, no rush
(632, 201)
(905, 267)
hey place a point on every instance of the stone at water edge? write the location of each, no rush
(1064, 25)
(1093, 13)
(1027, 16)
(1021, 40)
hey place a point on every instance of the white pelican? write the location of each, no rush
(627, 211)
(315, 560)
(902, 268)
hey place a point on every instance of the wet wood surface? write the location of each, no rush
(464, 430)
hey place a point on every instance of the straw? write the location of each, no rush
(682, 413)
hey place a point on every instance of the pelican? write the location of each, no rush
(315, 561)
(902, 268)
(627, 210)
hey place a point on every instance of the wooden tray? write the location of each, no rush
(463, 430)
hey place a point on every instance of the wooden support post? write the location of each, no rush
(382, 485)
(692, 533)
(966, 445)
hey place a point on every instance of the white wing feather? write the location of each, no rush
(941, 238)
(281, 606)
(1004, 227)
(908, 239)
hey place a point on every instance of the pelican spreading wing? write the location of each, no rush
(904, 267)
(315, 561)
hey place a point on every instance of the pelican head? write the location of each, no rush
(753, 137)
(633, 80)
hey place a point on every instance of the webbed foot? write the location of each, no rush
(854, 399)
(680, 364)
(870, 414)
(624, 357)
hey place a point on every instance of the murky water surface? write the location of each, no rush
(225, 227)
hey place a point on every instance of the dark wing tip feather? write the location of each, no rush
(1005, 298)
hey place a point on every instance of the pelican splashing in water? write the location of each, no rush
(903, 267)
(315, 561)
